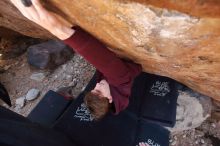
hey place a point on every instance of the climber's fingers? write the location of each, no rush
(40, 9)
(29, 12)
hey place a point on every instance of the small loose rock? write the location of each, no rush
(38, 76)
(7, 67)
(173, 143)
(202, 141)
(73, 83)
(20, 102)
(5, 105)
(32, 94)
(69, 77)
(213, 125)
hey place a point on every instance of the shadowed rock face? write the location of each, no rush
(12, 19)
(178, 39)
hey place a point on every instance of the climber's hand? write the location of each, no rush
(46, 19)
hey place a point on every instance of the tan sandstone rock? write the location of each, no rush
(179, 39)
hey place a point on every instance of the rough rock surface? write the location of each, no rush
(14, 46)
(178, 39)
(192, 110)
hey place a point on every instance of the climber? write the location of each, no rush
(114, 75)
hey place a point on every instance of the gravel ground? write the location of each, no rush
(205, 135)
(76, 72)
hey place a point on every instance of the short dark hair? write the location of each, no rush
(98, 106)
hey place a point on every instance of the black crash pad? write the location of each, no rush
(125, 129)
(114, 130)
(154, 99)
(16, 130)
(49, 109)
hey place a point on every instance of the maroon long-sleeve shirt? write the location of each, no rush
(118, 73)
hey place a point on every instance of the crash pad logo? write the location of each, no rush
(83, 113)
(160, 88)
(149, 142)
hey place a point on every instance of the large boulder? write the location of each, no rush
(49, 55)
(192, 110)
(178, 39)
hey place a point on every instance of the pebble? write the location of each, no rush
(173, 143)
(69, 77)
(202, 141)
(64, 67)
(38, 76)
(20, 102)
(213, 125)
(32, 94)
(77, 72)
(83, 88)
(74, 81)
(72, 84)
(7, 67)
(16, 63)
(5, 105)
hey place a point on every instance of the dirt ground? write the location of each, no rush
(77, 72)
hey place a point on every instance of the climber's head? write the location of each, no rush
(99, 100)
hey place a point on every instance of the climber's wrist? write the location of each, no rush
(62, 32)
